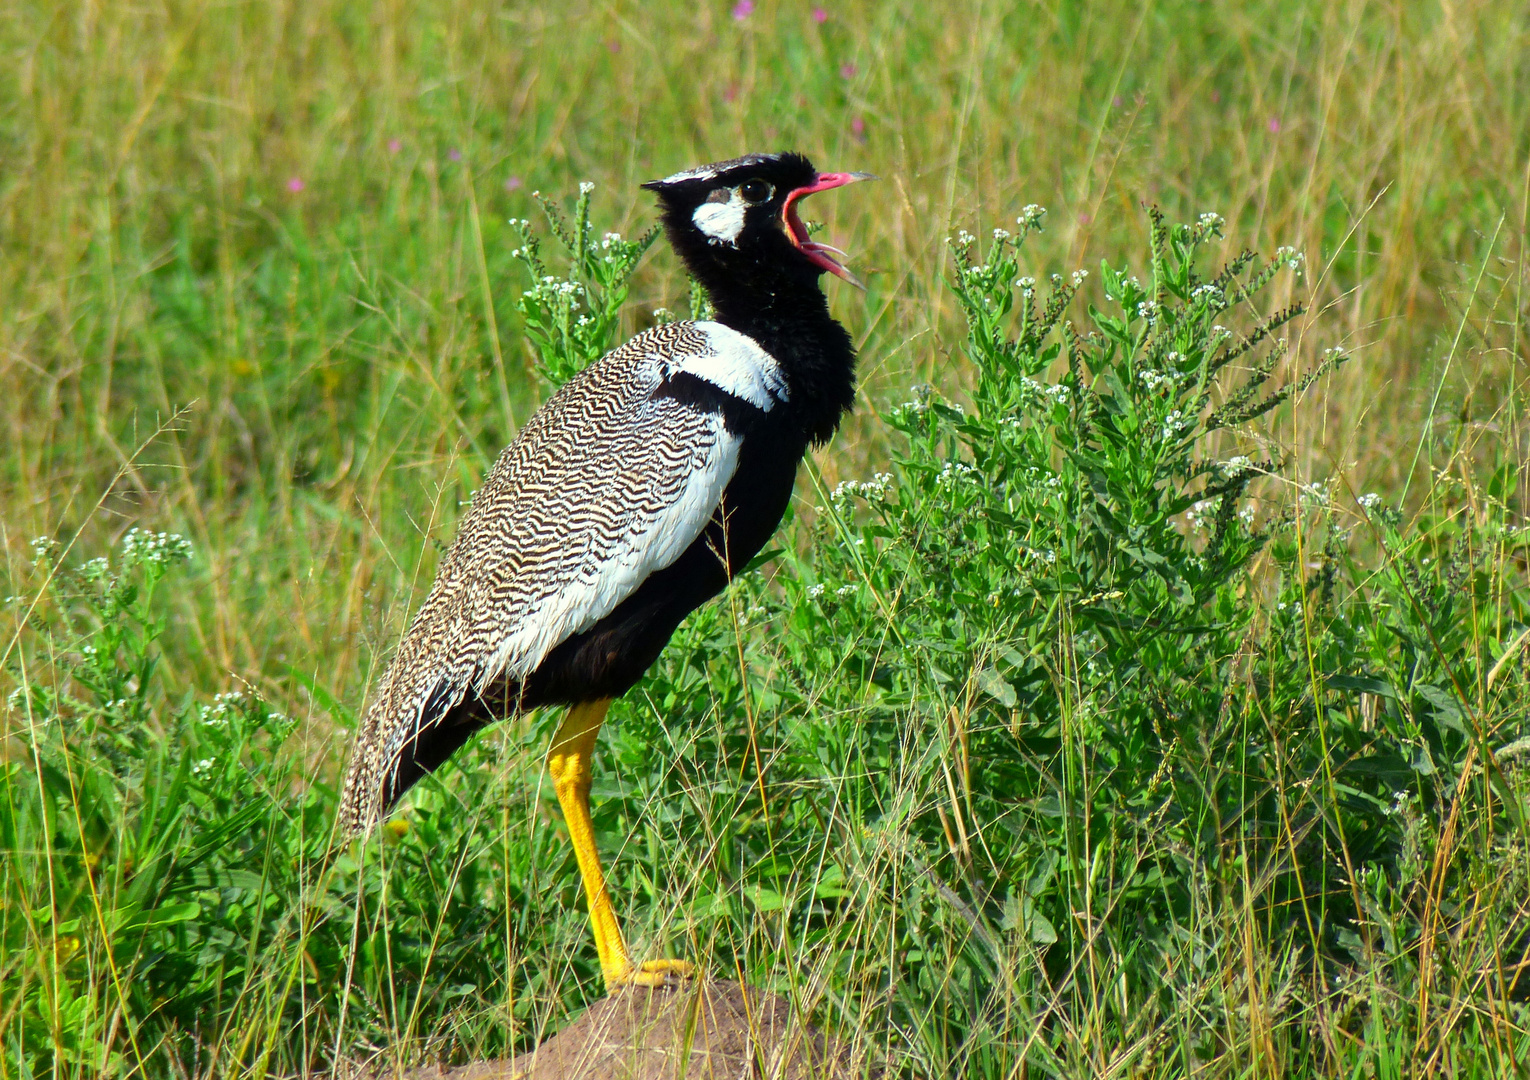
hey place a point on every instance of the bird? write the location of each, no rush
(630, 498)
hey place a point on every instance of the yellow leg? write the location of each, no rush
(569, 763)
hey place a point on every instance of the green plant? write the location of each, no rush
(1073, 741)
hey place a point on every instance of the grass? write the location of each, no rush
(260, 292)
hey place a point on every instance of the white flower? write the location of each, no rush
(1174, 423)
(1234, 464)
(1292, 258)
(955, 471)
(155, 549)
(1078, 277)
(844, 590)
(1212, 220)
(815, 591)
(871, 490)
(1369, 501)
(585, 187)
(1210, 293)
(1148, 309)
(204, 766)
(43, 546)
(610, 238)
(1030, 216)
(216, 714)
(1001, 235)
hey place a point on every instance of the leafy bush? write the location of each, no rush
(1076, 740)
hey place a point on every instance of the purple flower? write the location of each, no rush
(847, 71)
(1216, 96)
(394, 146)
(1274, 124)
(614, 46)
(858, 128)
(820, 16)
(454, 154)
(743, 9)
(295, 184)
(730, 93)
(1083, 219)
(1116, 101)
(513, 183)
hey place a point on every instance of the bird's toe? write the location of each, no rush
(657, 973)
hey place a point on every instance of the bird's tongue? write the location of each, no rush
(819, 254)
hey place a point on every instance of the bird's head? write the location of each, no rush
(740, 218)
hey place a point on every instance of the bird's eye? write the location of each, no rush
(756, 191)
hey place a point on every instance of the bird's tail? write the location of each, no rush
(413, 725)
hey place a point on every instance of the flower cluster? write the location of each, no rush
(955, 471)
(1198, 517)
(873, 490)
(1175, 423)
(1293, 259)
(1154, 379)
(1215, 298)
(552, 288)
(140, 547)
(917, 407)
(217, 714)
(1043, 393)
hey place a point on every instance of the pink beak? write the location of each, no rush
(819, 254)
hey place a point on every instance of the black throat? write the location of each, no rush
(782, 306)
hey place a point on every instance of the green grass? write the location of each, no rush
(1062, 832)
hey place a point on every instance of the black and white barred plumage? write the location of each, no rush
(631, 497)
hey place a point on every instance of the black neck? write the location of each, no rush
(788, 314)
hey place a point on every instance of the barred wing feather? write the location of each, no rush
(605, 485)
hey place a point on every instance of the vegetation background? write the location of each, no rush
(260, 292)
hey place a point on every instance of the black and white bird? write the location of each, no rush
(630, 498)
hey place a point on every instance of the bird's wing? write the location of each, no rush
(609, 482)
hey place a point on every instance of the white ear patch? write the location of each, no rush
(722, 222)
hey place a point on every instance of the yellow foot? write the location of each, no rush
(653, 973)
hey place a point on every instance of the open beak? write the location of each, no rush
(819, 254)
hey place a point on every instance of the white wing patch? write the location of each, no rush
(738, 365)
(707, 172)
(651, 544)
(721, 221)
